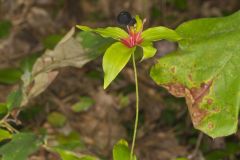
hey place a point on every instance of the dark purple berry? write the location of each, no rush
(124, 18)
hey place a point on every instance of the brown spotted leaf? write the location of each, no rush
(205, 70)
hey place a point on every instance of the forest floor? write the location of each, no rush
(165, 129)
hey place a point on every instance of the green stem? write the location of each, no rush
(5, 124)
(8, 127)
(137, 107)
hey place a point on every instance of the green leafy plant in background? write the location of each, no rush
(84, 104)
(21, 145)
(121, 151)
(204, 69)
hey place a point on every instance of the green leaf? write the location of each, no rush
(14, 99)
(3, 110)
(68, 155)
(5, 28)
(10, 75)
(139, 24)
(148, 50)
(70, 141)
(205, 70)
(4, 135)
(56, 119)
(113, 32)
(114, 59)
(159, 33)
(121, 151)
(88, 158)
(20, 147)
(83, 104)
(94, 45)
(181, 159)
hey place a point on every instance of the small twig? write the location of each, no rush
(5, 118)
(8, 127)
(196, 150)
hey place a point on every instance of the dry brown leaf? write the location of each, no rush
(68, 52)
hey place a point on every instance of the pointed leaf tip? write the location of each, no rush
(112, 32)
(139, 24)
(148, 50)
(105, 84)
(160, 33)
(84, 28)
(114, 60)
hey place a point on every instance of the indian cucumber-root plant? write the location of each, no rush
(120, 52)
(204, 69)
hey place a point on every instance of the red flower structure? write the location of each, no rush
(134, 38)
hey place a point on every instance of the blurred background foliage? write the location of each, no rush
(75, 112)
